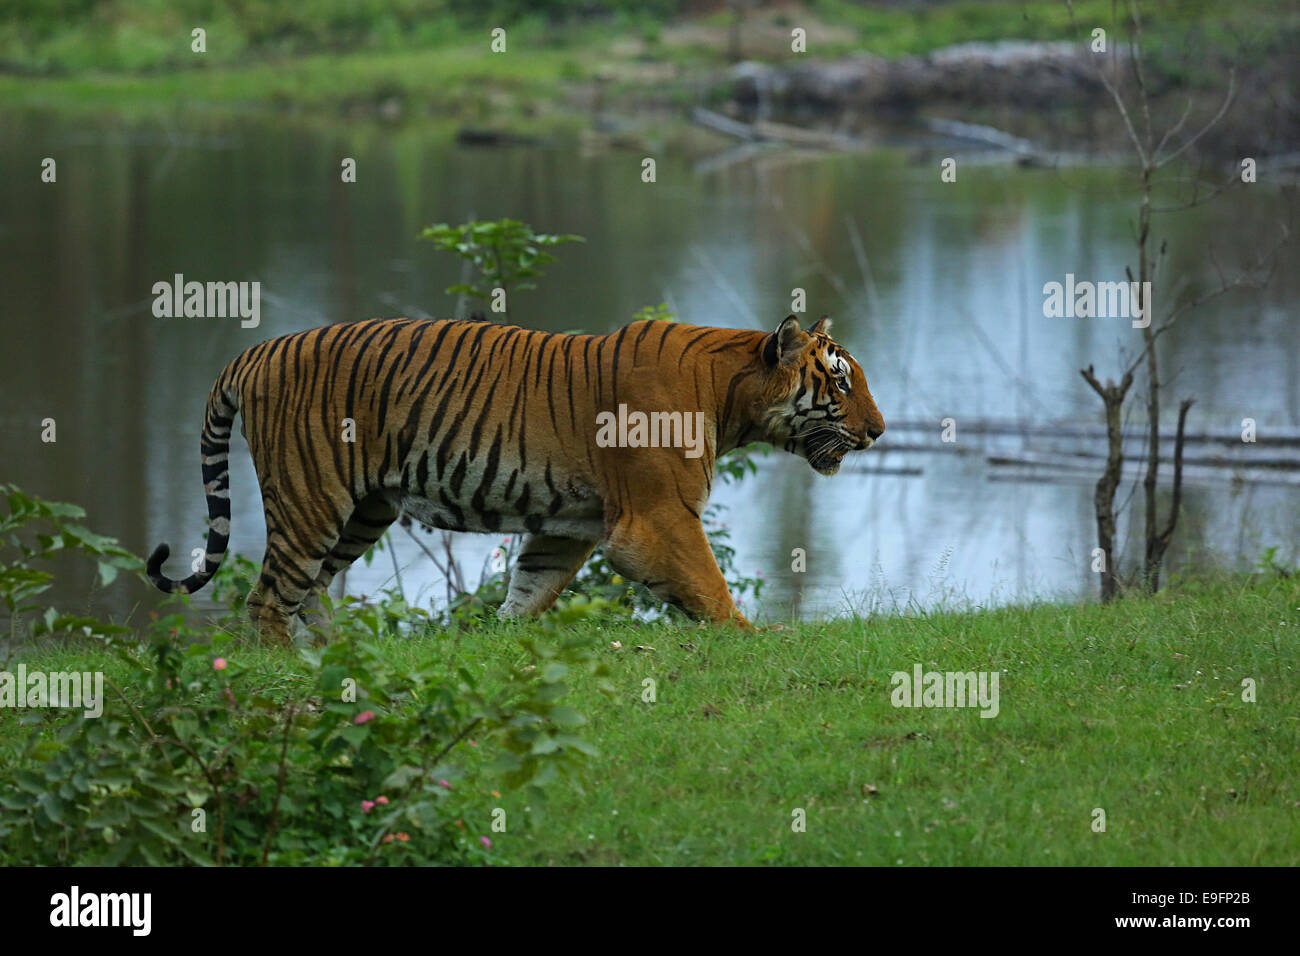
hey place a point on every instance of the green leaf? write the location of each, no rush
(537, 802)
(53, 807)
(566, 717)
(29, 781)
(574, 742)
(554, 671)
(355, 734)
(505, 763)
(400, 777)
(550, 692)
(544, 745)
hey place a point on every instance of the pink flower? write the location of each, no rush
(382, 801)
(367, 806)
(388, 838)
(364, 717)
(487, 844)
(227, 693)
(219, 664)
(403, 837)
(444, 783)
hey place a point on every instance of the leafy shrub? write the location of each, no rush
(36, 531)
(654, 313)
(197, 761)
(198, 757)
(506, 253)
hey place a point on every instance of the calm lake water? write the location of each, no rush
(942, 305)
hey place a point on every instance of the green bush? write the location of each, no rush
(194, 761)
(194, 758)
(35, 532)
(505, 253)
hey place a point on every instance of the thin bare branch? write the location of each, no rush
(1248, 278)
(1123, 112)
(1135, 57)
(1173, 130)
(1223, 108)
(1198, 199)
(442, 569)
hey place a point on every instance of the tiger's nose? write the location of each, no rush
(875, 431)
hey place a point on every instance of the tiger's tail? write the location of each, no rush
(218, 420)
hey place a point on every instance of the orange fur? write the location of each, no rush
(474, 426)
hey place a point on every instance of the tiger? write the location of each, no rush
(473, 425)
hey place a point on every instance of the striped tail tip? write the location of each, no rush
(153, 567)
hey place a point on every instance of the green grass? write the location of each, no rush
(456, 79)
(134, 60)
(889, 30)
(1135, 708)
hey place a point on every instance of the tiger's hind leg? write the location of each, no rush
(288, 574)
(372, 517)
(544, 568)
(298, 542)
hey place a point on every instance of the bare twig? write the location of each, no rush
(1223, 108)
(140, 717)
(1173, 130)
(1199, 199)
(1123, 112)
(1157, 546)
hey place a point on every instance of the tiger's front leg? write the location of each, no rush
(544, 568)
(668, 551)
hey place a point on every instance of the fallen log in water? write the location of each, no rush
(724, 124)
(1266, 434)
(1078, 468)
(766, 131)
(477, 136)
(799, 136)
(987, 135)
(1089, 458)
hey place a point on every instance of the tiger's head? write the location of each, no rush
(815, 401)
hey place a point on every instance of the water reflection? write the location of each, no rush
(936, 288)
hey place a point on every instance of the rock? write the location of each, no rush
(1013, 71)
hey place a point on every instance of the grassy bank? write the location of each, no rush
(344, 57)
(1135, 709)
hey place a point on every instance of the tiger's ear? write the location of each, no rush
(785, 344)
(823, 326)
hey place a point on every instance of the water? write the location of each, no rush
(944, 310)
